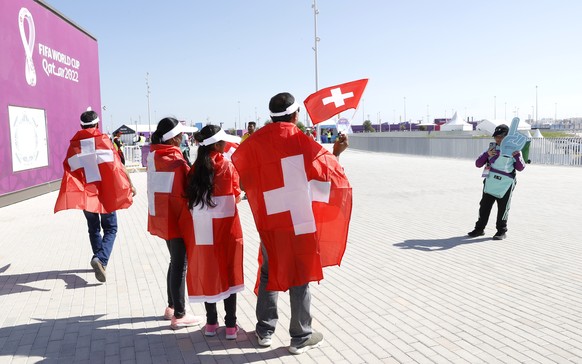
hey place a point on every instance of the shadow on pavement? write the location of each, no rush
(137, 339)
(430, 245)
(16, 283)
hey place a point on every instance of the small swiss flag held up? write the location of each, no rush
(330, 101)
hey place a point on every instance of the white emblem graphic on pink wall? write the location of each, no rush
(29, 71)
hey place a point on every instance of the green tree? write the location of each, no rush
(301, 126)
(368, 126)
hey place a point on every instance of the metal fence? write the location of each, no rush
(132, 155)
(555, 151)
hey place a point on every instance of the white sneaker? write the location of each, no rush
(313, 342)
(264, 341)
(185, 321)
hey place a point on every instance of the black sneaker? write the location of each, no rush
(313, 342)
(499, 236)
(475, 233)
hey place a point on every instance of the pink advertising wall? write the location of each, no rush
(49, 75)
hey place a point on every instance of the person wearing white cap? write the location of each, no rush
(290, 258)
(96, 182)
(167, 170)
(215, 252)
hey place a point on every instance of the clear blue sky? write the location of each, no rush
(209, 59)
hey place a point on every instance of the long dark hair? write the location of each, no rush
(201, 179)
(164, 126)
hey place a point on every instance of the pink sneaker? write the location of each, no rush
(210, 330)
(186, 321)
(168, 313)
(231, 333)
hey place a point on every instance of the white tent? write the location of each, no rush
(538, 134)
(456, 124)
(145, 128)
(489, 126)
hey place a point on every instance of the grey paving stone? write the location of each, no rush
(411, 288)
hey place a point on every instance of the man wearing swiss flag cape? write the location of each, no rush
(301, 201)
(96, 182)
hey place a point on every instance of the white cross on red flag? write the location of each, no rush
(94, 179)
(214, 239)
(301, 201)
(330, 101)
(229, 149)
(167, 171)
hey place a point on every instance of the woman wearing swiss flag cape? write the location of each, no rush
(301, 201)
(213, 232)
(167, 170)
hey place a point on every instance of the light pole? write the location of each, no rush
(427, 114)
(410, 126)
(536, 103)
(103, 115)
(363, 114)
(148, 96)
(315, 41)
(379, 123)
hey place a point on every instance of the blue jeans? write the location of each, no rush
(101, 245)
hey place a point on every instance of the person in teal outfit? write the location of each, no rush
(498, 185)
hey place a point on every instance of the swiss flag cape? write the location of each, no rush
(167, 170)
(94, 178)
(330, 101)
(302, 216)
(214, 239)
(229, 149)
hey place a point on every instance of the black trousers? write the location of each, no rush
(229, 307)
(176, 278)
(503, 205)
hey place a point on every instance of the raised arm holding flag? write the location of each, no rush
(330, 101)
(301, 201)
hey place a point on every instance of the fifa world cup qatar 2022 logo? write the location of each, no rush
(25, 16)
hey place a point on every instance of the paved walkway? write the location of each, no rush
(412, 288)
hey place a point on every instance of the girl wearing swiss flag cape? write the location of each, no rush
(214, 237)
(167, 170)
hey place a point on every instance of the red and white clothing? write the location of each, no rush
(301, 201)
(167, 170)
(94, 178)
(214, 239)
(229, 149)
